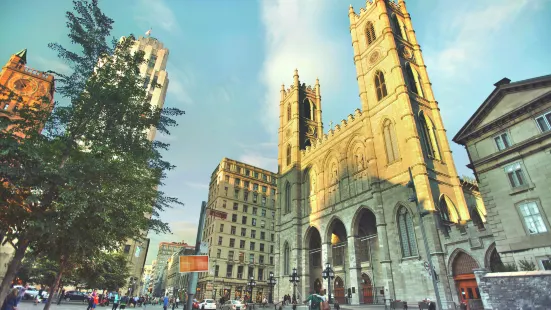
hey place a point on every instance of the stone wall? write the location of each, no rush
(526, 290)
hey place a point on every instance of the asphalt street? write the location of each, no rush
(77, 305)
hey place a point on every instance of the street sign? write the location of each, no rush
(204, 248)
(194, 263)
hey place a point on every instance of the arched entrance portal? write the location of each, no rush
(313, 243)
(338, 288)
(465, 281)
(367, 289)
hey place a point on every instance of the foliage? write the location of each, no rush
(106, 271)
(526, 265)
(505, 267)
(85, 186)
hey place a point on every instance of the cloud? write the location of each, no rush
(297, 36)
(474, 32)
(55, 64)
(258, 160)
(180, 83)
(157, 14)
(197, 185)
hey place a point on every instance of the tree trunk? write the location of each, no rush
(54, 287)
(13, 268)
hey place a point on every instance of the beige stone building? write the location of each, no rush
(161, 271)
(240, 231)
(176, 282)
(156, 84)
(342, 195)
(508, 140)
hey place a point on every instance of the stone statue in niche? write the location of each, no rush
(313, 177)
(335, 174)
(360, 158)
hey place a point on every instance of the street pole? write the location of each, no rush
(192, 285)
(413, 198)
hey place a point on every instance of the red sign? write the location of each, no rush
(194, 263)
(218, 214)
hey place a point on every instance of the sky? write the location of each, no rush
(228, 59)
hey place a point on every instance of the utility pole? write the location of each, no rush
(423, 213)
(192, 285)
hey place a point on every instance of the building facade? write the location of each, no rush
(146, 278)
(156, 84)
(20, 85)
(240, 231)
(176, 282)
(166, 250)
(342, 195)
(508, 140)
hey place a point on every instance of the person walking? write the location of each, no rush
(165, 302)
(177, 301)
(116, 301)
(61, 296)
(21, 294)
(11, 301)
(123, 302)
(315, 301)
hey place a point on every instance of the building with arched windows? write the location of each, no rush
(343, 198)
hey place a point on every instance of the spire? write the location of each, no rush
(296, 78)
(23, 55)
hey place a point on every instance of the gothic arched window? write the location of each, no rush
(307, 109)
(288, 155)
(370, 33)
(380, 85)
(288, 198)
(476, 218)
(396, 26)
(415, 84)
(428, 133)
(313, 112)
(288, 112)
(286, 259)
(407, 233)
(391, 143)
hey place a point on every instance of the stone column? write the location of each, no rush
(354, 271)
(325, 258)
(386, 263)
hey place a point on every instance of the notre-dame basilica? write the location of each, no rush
(342, 195)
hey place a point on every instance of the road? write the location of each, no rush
(76, 305)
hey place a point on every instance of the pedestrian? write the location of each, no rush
(123, 302)
(21, 294)
(177, 301)
(315, 301)
(11, 301)
(165, 302)
(116, 301)
(61, 296)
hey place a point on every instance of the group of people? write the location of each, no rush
(119, 301)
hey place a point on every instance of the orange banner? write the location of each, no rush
(194, 263)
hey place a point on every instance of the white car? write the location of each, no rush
(32, 292)
(208, 304)
(233, 305)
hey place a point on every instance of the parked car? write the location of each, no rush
(233, 305)
(208, 304)
(75, 295)
(31, 293)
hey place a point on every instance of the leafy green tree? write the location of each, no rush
(526, 265)
(90, 182)
(107, 271)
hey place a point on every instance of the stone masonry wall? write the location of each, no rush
(525, 290)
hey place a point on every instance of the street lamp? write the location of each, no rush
(328, 275)
(294, 279)
(251, 285)
(271, 283)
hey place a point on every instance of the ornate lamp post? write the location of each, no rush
(251, 284)
(328, 275)
(294, 279)
(271, 283)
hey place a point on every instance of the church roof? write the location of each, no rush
(23, 55)
(528, 92)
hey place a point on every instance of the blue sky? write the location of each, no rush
(228, 59)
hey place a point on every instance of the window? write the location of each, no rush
(263, 212)
(127, 248)
(407, 233)
(224, 204)
(255, 197)
(230, 255)
(545, 264)
(264, 189)
(380, 85)
(251, 259)
(370, 33)
(226, 191)
(414, 81)
(253, 233)
(396, 25)
(218, 253)
(288, 155)
(145, 85)
(232, 242)
(236, 194)
(251, 246)
(246, 195)
(152, 61)
(216, 270)
(273, 214)
(228, 179)
(288, 198)
(240, 272)
(241, 244)
(533, 220)
(244, 220)
(233, 230)
(544, 122)
(265, 177)
(515, 175)
(154, 82)
(262, 247)
(241, 257)
(286, 259)
(245, 208)
(271, 249)
(254, 222)
(428, 133)
(234, 218)
(235, 206)
(273, 191)
(477, 220)
(271, 260)
(262, 235)
(260, 274)
(222, 227)
(255, 209)
(261, 259)
(243, 232)
(272, 237)
(288, 112)
(502, 141)
(237, 182)
(256, 174)
(247, 173)
(263, 201)
(229, 271)
(262, 224)
(391, 143)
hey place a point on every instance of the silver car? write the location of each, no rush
(233, 305)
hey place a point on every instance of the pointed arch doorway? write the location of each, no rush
(463, 275)
(367, 289)
(338, 289)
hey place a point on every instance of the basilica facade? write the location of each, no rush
(342, 197)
